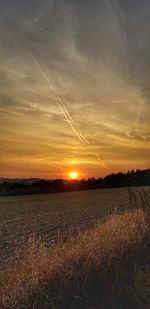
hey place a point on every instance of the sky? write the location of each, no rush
(74, 87)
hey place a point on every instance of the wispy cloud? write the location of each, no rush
(84, 88)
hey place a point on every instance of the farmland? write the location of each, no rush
(86, 249)
(54, 218)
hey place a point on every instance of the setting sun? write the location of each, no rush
(73, 175)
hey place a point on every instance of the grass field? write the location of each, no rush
(49, 272)
(54, 217)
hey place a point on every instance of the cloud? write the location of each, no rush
(96, 56)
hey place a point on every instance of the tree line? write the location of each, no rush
(130, 179)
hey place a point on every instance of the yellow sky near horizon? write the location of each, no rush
(74, 88)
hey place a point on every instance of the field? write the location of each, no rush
(52, 219)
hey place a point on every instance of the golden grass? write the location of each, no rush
(61, 275)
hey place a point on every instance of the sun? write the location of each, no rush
(73, 175)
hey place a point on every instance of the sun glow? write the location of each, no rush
(73, 175)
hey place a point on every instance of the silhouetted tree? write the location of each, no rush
(131, 178)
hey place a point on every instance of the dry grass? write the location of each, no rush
(98, 269)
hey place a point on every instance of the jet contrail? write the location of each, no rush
(60, 104)
(138, 111)
(85, 139)
(100, 160)
(66, 111)
(63, 109)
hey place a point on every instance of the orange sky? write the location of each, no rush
(74, 88)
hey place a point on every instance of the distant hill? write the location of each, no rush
(19, 180)
(39, 186)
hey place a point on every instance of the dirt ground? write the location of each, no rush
(53, 217)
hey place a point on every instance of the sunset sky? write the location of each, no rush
(74, 87)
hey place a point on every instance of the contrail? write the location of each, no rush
(64, 110)
(58, 101)
(100, 160)
(138, 111)
(85, 139)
